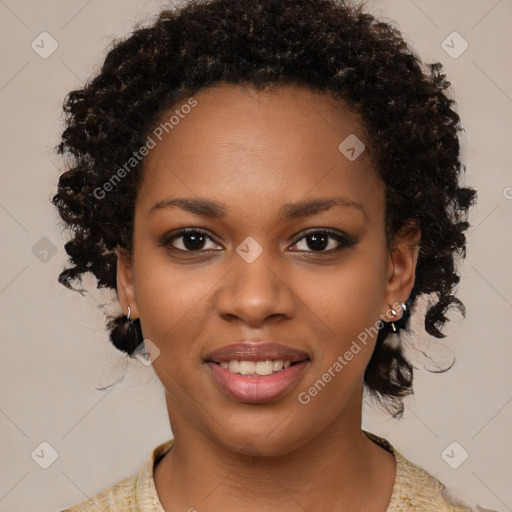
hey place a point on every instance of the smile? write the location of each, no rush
(262, 368)
(256, 371)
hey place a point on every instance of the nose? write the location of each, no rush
(255, 292)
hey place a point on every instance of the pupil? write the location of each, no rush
(197, 241)
(317, 244)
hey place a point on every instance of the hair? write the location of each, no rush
(410, 128)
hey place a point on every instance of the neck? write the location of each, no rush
(339, 468)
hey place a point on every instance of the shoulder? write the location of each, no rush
(417, 490)
(135, 493)
(118, 498)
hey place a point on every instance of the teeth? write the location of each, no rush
(267, 367)
(264, 367)
(247, 367)
(278, 365)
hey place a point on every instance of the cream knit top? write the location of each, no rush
(414, 489)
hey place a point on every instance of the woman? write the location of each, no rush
(268, 186)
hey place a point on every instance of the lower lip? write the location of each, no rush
(256, 389)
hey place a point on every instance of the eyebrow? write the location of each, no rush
(299, 209)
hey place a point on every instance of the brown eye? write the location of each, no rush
(189, 240)
(319, 240)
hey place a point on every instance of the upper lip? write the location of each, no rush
(260, 351)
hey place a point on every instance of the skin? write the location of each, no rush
(255, 151)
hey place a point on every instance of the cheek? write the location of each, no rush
(173, 309)
(169, 314)
(345, 300)
(346, 309)
(175, 306)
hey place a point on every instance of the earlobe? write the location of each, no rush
(125, 284)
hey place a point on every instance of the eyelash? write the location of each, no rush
(344, 240)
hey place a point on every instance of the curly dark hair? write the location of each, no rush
(411, 130)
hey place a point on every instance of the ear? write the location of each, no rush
(402, 261)
(125, 284)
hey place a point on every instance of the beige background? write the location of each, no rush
(55, 351)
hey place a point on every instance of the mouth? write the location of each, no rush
(256, 372)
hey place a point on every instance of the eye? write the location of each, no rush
(318, 241)
(193, 240)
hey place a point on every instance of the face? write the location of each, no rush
(261, 261)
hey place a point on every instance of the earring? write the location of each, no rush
(134, 336)
(404, 307)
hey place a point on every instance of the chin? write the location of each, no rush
(271, 439)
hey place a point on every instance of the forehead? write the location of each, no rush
(261, 145)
